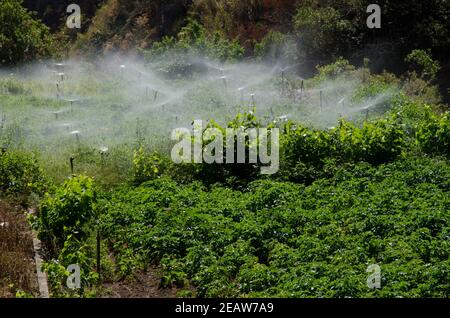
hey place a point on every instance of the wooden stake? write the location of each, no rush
(71, 164)
(98, 250)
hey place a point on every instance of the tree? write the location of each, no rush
(22, 37)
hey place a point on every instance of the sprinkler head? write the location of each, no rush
(56, 114)
(103, 150)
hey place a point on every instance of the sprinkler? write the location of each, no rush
(253, 100)
(61, 75)
(60, 66)
(321, 100)
(122, 70)
(71, 101)
(58, 91)
(241, 90)
(71, 164)
(77, 135)
(103, 152)
(3, 149)
(2, 123)
(56, 114)
(155, 96)
(342, 102)
(224, 79)
(282, 82)
(302, 89)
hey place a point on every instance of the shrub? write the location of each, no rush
(195, 39)
(433, 135)
(422, 63)
(276, 46)
(146, 166)
(22, 38)
(67, 210)
(20, 174)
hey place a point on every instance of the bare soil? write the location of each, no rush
(142, 285)
(17, 267)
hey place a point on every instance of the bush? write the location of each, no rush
(196, 40)
(433, 135)
(423, 64)
(20, 174)
(147, 167)
(67, 210)
(22, 38)
(276, 46)
(325, 32)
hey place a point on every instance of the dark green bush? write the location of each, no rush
(22, 38)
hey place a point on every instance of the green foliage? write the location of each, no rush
(76, 253)
(341, 67)
(279, 239)
(276, 46)
(196, 40)
(22, 38)
(147, 166)
(20, 174)
(376, 85)
(67, 210)
(433, 135)
(13, 86)
(422, 62)
(324, 32)
(306, 153)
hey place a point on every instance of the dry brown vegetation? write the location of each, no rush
(17, 267)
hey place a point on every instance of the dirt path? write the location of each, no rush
(143, 285)
(17, 265)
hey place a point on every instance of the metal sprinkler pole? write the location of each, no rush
(71, 164)
(98, 249)
(302, 87)
(321, 100)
